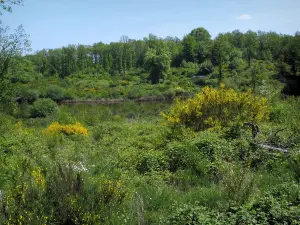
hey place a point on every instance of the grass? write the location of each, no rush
(132, 168)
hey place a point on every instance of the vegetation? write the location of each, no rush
(218, 108)
(154, 68)
(225, 152)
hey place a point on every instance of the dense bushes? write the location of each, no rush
(43, 107)
(278, 206)
(57, 93)
(218, 108)
(133, 169)
(28, 95)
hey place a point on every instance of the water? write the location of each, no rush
(91, 113)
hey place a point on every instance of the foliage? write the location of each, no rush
(56, 128)
(12, 45)
(6, 5)
(158, 61)
(218, 108)
(132, 168)
(28, 95)
(43, 107)
(126, 165)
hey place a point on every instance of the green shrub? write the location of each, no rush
(237, 183)
(151, 161)
(214, 147)
(280, 205)
(55, 93)
(196, 215)
(180, 155)
(28, 95)
(294, 164)
(43, 107)
(206, 68)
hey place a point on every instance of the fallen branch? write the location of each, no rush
(272, 148)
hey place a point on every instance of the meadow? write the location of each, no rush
(198, 129)
(128, 164)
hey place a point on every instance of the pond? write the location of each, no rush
(93, 113)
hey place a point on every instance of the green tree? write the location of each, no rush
(157, 61)
(189, 48)
(12, 45)
(220, 53)
(200, 34)
(294, 54)
(250, 45)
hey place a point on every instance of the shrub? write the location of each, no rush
(61, 196)
(294, 164)
(56, 128)
(55, 93)
(178, 155)
(206, 67)
(237, 183)
(151, 161)
(218, 108)
(280, 205)
(28, 95)
(43, 107)
(213, 147)
(193, 214)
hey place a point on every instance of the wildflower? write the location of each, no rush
(39, 179)
(56, 128)
(218, 107)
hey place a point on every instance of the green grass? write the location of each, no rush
(133, 168)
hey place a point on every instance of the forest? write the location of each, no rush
(198, 130)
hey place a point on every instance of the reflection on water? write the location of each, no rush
(129, 110)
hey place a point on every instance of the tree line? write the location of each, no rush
(232, 51)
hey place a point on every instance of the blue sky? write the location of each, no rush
(57, 23)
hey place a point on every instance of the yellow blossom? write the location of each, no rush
(56, 128)
(218, 107)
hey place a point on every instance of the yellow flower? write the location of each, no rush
(56, 128)
(218, 107)
(39, 179)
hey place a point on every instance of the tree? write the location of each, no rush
(220, 52)
(250, 45)
(197, 45)
(294, 54)
(189, 48)
(11, 45)
(200, 34)
(6, 4)
(157, 61)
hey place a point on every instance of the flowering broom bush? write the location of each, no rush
(217, 108)
(56, 128)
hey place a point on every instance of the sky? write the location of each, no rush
(57, 23)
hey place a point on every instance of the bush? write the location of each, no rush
(151, 161)
(294, 164)
(43, 107)
(56, 128)
(213, 147)
(179, 155)
(55, 93)
(218, 108)
(193, 214)
(28, 95)
(206, 68)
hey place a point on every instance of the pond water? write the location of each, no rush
(90, 113)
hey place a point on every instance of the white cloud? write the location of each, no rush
(244, 17)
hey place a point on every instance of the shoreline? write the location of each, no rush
(116, 101)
